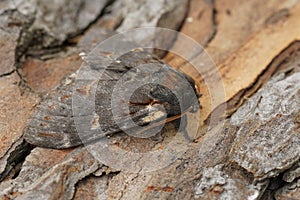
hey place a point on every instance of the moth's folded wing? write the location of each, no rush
(51, 124)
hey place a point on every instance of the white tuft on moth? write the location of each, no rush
(154, 115)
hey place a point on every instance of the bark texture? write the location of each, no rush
(251, 152)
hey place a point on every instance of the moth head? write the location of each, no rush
(170, 93)
(178, 92)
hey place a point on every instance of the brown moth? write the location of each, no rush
(54, 124)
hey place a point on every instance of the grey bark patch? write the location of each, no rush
(268, 141)
(56, 182)
(8, 42)
(292, 174)
(59, 21)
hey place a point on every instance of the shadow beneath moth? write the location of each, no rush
(136, 93)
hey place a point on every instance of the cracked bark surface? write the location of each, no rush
(253, 153)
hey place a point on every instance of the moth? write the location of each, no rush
(54, 124)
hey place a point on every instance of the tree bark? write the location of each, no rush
(250, 151)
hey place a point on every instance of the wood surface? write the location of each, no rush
(248, 141)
